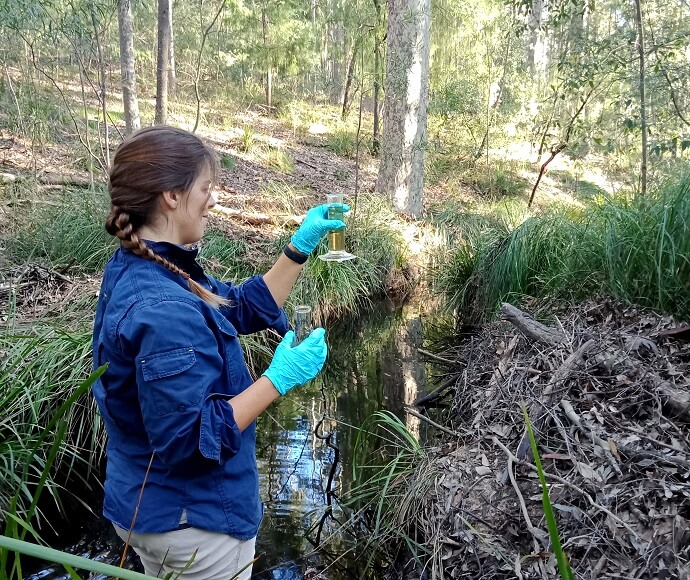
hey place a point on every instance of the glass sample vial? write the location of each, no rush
(303, 323)
(336, 238)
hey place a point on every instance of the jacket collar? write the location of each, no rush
(181, 256)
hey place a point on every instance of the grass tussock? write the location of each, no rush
(388, 490)
(339, 288)
(43, 367)
(65, 230)
(635, 250)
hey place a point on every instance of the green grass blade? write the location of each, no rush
(563, 564)
(52, 555)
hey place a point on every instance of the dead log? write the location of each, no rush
(530, 327)
(675, 401)
(60, 179)
(257, 218)
(49, 179)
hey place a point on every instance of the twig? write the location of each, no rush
(532, 530)
(559, 377)
(530, 327)
(136, 512)
(632, 452)
(567, 484)
(257, 218)
(576, 420)
(414, 413)
(436, 393)
(428, 354)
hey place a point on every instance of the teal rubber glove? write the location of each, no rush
(314, 227)
(294, 366)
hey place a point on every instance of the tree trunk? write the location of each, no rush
(536, 47)
(643, 106)
(348, 81)
(162, 61)
(172, 78)
(197, 75)
(268, 87)
(401, 173)
(102, 97)
(403, 370)
(338, 53)
(129, 79)
(378, 77)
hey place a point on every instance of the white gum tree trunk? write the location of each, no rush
(401, 173)
(129, 79)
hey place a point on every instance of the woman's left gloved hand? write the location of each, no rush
(295, 365)
(314, 227)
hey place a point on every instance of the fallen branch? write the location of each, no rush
(433, 356)
(581, 424)
(530, 327)
(565, 482)
(49, 179)
(675, 400)
(558, 378)
(256, 218)
(414, 413)
(436, 393)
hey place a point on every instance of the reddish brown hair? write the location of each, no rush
(147, 163)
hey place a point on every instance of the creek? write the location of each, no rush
(373, 364)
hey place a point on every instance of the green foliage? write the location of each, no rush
(388, 486)
(228, 162)
(342, 142)
(247, 138)
(67, 230)
(634, 250)
(49, 422)
(68, 560)
(286, 199)
(498, 180)
(277, 158)
(225, 259)
(564, 568)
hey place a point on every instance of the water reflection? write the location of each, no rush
(373, 364)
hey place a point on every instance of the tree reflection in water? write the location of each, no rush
(373, 364)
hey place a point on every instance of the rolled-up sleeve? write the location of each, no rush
(178, 363)
(252, 306)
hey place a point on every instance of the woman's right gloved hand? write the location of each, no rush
(294, 366)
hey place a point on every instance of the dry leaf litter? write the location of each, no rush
(606, 388)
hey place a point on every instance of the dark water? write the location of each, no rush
(373, 364)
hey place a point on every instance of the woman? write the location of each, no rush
(177, 399)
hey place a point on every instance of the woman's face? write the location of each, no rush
(191, 215)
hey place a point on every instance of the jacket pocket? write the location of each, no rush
(167, 364)
(166, 386)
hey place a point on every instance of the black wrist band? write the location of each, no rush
(297, 257)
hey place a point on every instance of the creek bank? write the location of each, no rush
(607, 389)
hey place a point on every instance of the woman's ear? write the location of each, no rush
(170, 199)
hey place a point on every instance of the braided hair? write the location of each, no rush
(147, 163)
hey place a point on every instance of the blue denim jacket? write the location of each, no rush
(173, 362)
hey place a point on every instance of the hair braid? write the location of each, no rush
(119, 222)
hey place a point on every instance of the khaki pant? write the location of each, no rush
(218, 556)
